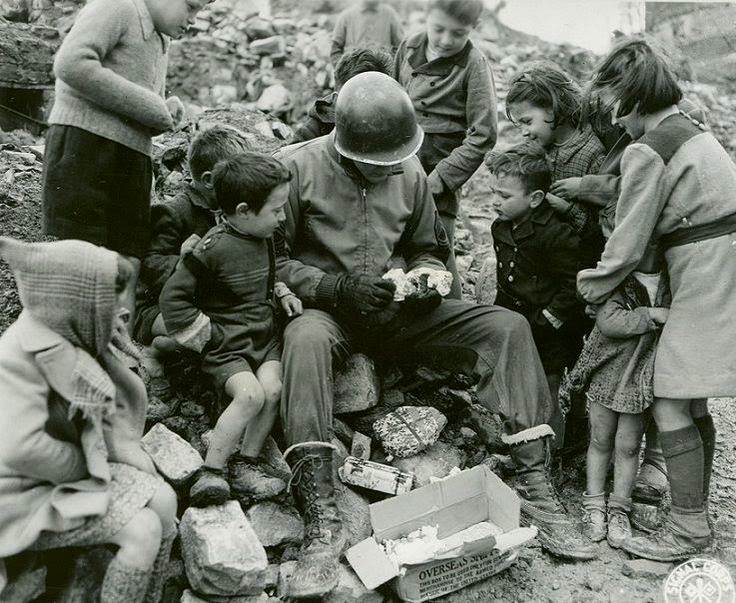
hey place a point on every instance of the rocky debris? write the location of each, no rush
(173, 456)
(357, 386)
(355, 513)
(272, 576)
(85, 580)
(27, 587)
(485, 283)
(409, 429)
(436, 461)
(350, 589)
(360, 446)
(643, 568)
(222, 554)
(27, 55)
(286, 571)
(275, 525)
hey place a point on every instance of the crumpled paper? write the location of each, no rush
(410, 283)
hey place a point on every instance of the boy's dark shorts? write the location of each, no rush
(96, 190)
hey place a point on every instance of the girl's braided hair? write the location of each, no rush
(547, 86)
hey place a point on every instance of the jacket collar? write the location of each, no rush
(417, 57)
(347, 165)
(144, 16)
(511, 236)
(578, 140)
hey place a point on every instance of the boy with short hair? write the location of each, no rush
(177, 226)
(538, 256)
(110, 79)
(368, 24)
(221, 302)
(321, 117)
(451, 87)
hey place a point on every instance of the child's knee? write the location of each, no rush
(272, 394)
(250, 399)
(164, 503)
(141, 536)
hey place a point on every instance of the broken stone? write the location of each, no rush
(27, 587)
(436, 461)
(355, 512)
(189, 597)
(485, 284)
(272, 576)
(351, 589)
(361, 446)
(274, 99)
(357, 386)
(224, 94)
(257, 28)
(488, 426)
(275, 525)
(251, 483)
(409, 430)
(286, 571)
(173, 456)
(221, 551)
(643, 568)
(501, 464)
(271, 45)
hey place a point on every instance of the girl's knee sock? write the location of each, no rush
(158, 575)
(707, 430)
(683, 452)
(123, 583)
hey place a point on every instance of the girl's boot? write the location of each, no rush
(619, 527)
(594, 516)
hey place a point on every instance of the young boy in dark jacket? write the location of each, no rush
(177, 225)
(451, 87)
(538, 257)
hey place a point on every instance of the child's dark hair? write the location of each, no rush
(362, 60)
(466, 11)
(636, 71)
(247, 178)
(547, 86)
(526, 161)
(212, 145)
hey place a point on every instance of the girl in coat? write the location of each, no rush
(678, 186)
(72, 472)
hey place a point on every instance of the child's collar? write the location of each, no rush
(417, 57)
(144, 15)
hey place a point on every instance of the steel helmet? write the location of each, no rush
(375, 121)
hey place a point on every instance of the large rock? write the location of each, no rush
(25, 588)
(351, 590)
(173, 456)
(274, 99)
(275, 525)
(436, 461)
(222, 554)
(357, 386)
(274, 45)
(27, 55)
(355, 513)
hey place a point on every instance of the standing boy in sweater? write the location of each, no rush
(110, 76)
(451, 87)
(368, 24)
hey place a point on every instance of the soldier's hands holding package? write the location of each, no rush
(366, 294)
(568, 188)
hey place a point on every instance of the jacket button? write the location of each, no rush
(516, 249)
(431, 84)
(511, 264)
(500, 264)
(511, 278)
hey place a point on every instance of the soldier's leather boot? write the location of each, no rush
(540, 504)
(317, 569)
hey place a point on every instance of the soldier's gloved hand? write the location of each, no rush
(422, 302)
(366, 294)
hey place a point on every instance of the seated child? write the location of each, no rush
(616, 372)
(320, 119)
(177, 226)
(546, 104)
(72, 471)
(220, 302)
(537, 256)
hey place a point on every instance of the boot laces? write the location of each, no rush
(303, 478)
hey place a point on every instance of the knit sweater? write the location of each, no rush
(110, 74)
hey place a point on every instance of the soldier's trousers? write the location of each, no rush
(491, 343)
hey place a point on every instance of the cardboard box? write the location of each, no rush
(453, 504)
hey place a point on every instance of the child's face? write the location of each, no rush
(173, 17)
(509, 198)
(264, 223)
(535, 122)
(633, 123)
(445, 34)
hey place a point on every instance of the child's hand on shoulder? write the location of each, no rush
(292, 305)
(558, 203)
(435, 184)
(567, 188)
(189, 245)
(176, 109)
(659, 315)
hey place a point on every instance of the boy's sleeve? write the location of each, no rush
(614, 319)
(309, 128)
(79, 64)
(482, 126)
(564, 261)
(599, 189)
(339, 34)
(163, 253)
(424, 242)
(639, 206)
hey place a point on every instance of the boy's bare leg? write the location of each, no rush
(269, 376)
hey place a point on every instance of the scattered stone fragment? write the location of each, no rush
(173, 456)
(268, 46)
(361, 446)
(272, 460)
(251, 483)
(436, 461)
(25, 588)
(485, 284)
(409, 429)
(275, 525)
(501, 464)
(351, 589)
(286, 571)
(221, 551)
(644, 568)
(274, 99)
(357, 386)
(257, 28)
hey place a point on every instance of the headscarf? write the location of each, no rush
(69, 286)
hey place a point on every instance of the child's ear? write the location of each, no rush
(242, 209)
(206, 179)
(536, 198)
